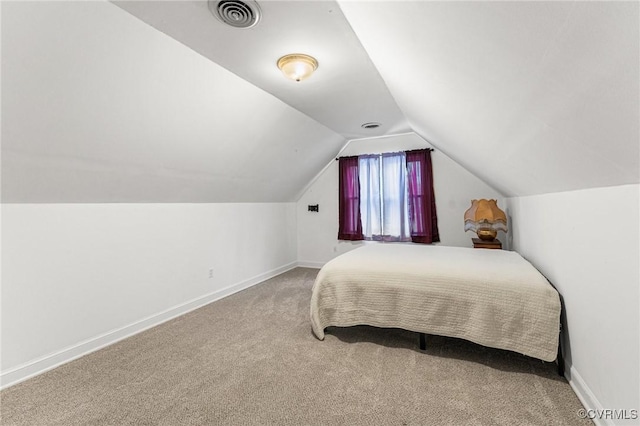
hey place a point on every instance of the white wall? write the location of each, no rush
(454, 189)
(78, 276)
(587, 244)
(99, 108)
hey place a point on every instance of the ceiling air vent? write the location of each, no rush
(371, 125)
(238, 14)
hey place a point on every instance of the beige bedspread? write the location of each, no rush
(491, 297)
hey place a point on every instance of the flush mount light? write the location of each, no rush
(371, 125)
(297, 66)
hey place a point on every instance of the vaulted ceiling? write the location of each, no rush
(534, 97)
(158, 101)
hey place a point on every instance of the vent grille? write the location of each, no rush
(236, 13)
(371, 125)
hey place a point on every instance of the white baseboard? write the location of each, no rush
(310, 264)
(586, 397)
(51, 361)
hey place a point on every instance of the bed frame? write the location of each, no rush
(559, 360)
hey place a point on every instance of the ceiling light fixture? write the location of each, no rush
(371, 125)
(297, 66)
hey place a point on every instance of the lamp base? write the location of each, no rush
(482, 244)
(487, 234)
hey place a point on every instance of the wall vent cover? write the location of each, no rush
(236, 13)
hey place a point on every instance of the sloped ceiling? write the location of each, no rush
(347, 90)
(98, 106)
(533, 97)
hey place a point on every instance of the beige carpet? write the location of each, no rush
(251, 359)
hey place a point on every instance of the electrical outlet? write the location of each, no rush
(210, 272)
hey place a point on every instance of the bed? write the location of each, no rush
(491, 297)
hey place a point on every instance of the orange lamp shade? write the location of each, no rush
(485, 218)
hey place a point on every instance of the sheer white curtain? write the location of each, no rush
(383, 197)
(370, 201)
(395, 224)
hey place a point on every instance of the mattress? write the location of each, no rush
(495, 298)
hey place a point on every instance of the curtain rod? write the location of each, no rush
(428, 149)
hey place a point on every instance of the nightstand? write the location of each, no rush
(478, 243)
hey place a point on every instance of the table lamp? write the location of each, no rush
(485, 218)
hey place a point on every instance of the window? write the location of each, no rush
(388, 197)
(383, 197)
